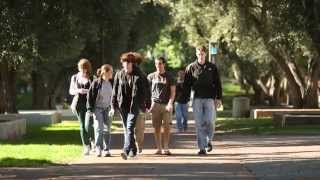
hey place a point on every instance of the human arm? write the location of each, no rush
(169, 106)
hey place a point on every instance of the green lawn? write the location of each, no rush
(230, 90)
(57, 144)
(261, 127)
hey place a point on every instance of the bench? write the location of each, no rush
(263, 113)
(12, 127)
(282, 119)
(41, 117)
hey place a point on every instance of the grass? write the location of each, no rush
(261, 127)
(230, 90)
(57, 144)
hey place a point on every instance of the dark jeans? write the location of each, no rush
(86, 125)
(129, 128)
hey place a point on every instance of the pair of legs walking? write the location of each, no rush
(161, 118)
(86, 128)
(181, 111)
(204, 115)
(102, 129)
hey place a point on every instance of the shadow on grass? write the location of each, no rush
(26, 162)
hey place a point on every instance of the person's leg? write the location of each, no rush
(107, 124)
(139, 131)
(209, 116)
(124, 115)
(81, 115)
(131, 124)
(98, 126)
(179, 118)
(184, 110)
(167, 118)
(156, 123)
(90, 129)
(200, 123)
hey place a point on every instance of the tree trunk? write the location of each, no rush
(12, 90)
(2, 89)
(8, 93)
(311, 96)
(38, 91)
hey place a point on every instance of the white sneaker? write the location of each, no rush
(99, 152)
(93, 146)
(107, 153)
(86, 150)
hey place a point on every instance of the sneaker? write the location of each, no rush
(209, 147)
(93, 146)
(167, 152)
(202, 152)
(107, 153)
(99, 152)
(132, 154)
(139, 150)
(86, 150)
(158, 152)
(124, 155)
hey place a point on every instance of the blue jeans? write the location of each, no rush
(129, 128)
(205, 116)
(182, 116)
(102, 128)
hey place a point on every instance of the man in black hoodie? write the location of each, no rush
(203, 77)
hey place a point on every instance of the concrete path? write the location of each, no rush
(233, 157)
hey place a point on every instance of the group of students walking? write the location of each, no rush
(132, 94)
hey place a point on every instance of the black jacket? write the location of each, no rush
(93, 92)
(204, 80)
(140, 94)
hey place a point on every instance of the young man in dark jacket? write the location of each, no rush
(130, 95)
(203, 77)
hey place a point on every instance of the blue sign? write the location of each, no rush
(213, 50)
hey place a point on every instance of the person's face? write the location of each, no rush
(201, 55)
(181, 74)
(83, 71)
(159, 65)
(127, 66)
(108, 74)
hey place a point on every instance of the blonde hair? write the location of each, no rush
(85, 64)
(104, 69)
(201, 48)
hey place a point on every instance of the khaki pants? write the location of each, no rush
(139, 131)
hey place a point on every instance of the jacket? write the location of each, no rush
(204, 80)
(93, 92)
(140, 94)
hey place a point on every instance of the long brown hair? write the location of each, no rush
(103, 69)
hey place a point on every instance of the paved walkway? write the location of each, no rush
(233, 157)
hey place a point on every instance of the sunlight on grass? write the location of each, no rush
(57, 144)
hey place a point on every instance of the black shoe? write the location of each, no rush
(124, 155)
(209, 147)
(202, 152)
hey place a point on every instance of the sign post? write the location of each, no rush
(213, 51)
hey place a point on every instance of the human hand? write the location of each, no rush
(151, 107)
(217, 103)
(83, 91)
(111, 112)
(169, 107)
